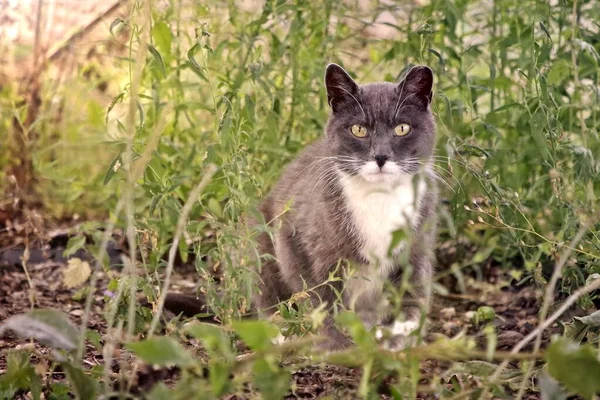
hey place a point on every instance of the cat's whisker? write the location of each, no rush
(432, 170)
(349, 160)
(435, 175)
(313, 164)
(325, 175)
(449, 160)
(446, 158)
(429, 169)
(443, 169)
(330, 174)
(450, 172)
(325, 180)
(342, 157)
(327, 161)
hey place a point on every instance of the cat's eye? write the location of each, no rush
(402, 130)
(358, 130)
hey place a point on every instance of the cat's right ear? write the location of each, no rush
(339, 85)
(418, 82)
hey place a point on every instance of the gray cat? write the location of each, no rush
(368, 177)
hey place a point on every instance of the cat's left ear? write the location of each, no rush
(419, 82)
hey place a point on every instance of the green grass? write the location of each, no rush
(517, 103)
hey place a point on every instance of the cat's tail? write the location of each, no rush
(189, 306)
(194, 306)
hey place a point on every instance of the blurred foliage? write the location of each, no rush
(517, 102)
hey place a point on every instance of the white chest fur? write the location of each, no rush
(377, 210)
(380, 208)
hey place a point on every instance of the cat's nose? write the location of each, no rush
(380, 159)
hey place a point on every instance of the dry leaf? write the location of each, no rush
(76, 273)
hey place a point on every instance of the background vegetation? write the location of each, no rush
(183, 118)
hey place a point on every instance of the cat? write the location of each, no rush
(340, 201)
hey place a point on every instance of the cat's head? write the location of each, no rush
(380, 132)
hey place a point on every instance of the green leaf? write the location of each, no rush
(193, 63)
(163, 37)
(160, 391)
(559, 71)
(117, 99)
(116, 22)
(575, 330)
(158, 59)
(256, 334)
(59, 391)
(75, 243)
(356, 328)
(545, 30)
(50, 327)
(506, 107)
(83, 385)
(578, 329)
(590, 320)
(576, 366)
(474, 368)
(484, 314)
(537, 123)
(114, 166)
(213, 338)
(483, 254)
(162, 351)
(95, 338)
(215, 207)
(19, 375)
(81, 294)
(397, 237)
(439, 56)
(272, 382)
(219, 376)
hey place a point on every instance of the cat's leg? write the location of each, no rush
(331, 337)
(272, 291)
(399, 329)
(325, 291)
(300, 271)
(293, 273)
(272, 288)
(402, 326)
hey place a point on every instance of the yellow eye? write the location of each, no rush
(359, 131)
(402, 130)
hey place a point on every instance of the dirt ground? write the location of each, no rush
(516, 314)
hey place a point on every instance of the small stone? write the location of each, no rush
(509, 339)
(78, 312)
(451, 328)
(469, 315)
(448, 312)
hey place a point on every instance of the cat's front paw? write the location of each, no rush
(397, 336)
(330, 345)
(332, 339)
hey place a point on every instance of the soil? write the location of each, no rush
(516, 311)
